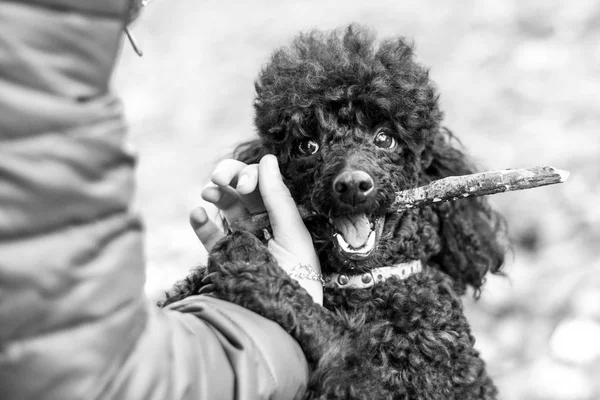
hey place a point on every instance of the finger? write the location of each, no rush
(283, 213)
(247, 188)
(207, 231)
(226, 172)
(227, 200)
(247, 180)
(233, 173)
(222, 197)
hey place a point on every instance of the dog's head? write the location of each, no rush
(352, 121)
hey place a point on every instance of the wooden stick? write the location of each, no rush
(447, 189)
(479, 184)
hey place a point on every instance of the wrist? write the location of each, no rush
(311, 280)
(313, 288)
(306, 272)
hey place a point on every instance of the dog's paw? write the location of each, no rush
(234, 281)
(242, 271)
(238, 266)
(240, 246)
(190, 286)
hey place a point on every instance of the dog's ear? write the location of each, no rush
(473, 236)
(250, 152)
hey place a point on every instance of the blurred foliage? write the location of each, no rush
(520, 84)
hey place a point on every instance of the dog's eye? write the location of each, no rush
(384, 141)
(308, 147)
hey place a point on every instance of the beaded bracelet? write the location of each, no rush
(304, 271)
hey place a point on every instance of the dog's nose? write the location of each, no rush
(353, 187)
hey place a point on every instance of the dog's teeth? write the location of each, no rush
(353, 253)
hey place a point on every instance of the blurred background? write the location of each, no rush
(520, 85)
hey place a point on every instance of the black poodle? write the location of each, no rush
(352, 121)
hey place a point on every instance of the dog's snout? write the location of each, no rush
(353, 187)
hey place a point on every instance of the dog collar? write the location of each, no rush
(376, 275)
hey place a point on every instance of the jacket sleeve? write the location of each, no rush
(74, 322)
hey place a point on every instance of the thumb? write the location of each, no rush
(206, 230)
(284, 216)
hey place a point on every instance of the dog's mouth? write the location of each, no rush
(356, 235)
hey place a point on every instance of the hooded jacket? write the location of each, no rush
(74, 321)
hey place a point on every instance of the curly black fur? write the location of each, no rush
(401, 339)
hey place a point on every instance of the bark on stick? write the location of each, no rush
(479, 184)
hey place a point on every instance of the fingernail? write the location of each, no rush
(242, 181)
(211, 193)
(220, 176)
(198, 217)
(272, 163)
(267, 235)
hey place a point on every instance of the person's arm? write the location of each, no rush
(74, 321)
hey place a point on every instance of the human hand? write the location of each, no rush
(239, 189)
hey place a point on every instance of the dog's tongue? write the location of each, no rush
(355, 228)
